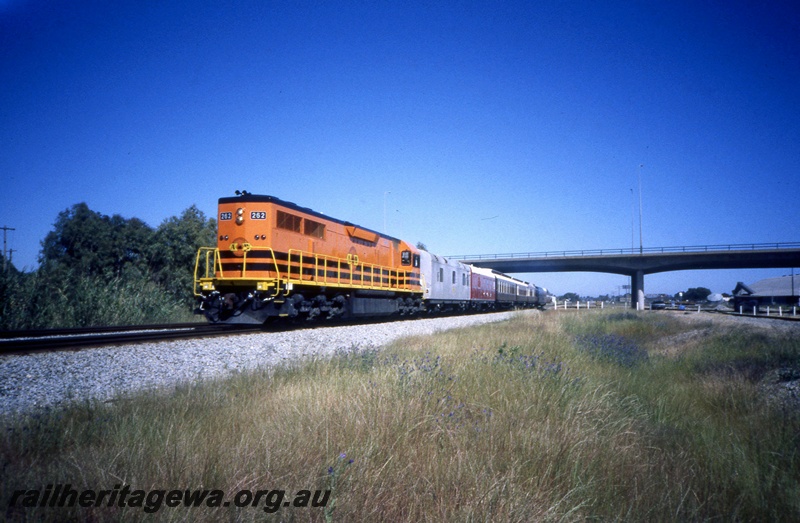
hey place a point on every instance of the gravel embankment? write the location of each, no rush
(34, 381)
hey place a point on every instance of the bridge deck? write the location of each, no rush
(649, 260)
(638, 262)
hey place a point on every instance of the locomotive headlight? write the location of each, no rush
(239, 216)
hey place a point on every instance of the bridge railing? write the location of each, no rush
(633, 251)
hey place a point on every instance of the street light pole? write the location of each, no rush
(633, 227)
(641, 243)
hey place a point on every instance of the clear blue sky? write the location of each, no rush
(485, 127)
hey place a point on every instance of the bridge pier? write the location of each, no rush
(637, 290)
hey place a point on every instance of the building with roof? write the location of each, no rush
(783, 290)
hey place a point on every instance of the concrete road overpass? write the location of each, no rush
(638, 262)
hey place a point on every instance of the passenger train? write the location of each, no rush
(275, 259)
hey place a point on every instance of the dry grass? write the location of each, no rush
(543, 417)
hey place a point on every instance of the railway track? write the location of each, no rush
(62, 339)
(12, 342)
(77, 338)
(17, 342)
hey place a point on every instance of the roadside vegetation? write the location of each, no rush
(107, 270)
(561, 417)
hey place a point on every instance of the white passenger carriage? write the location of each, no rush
(446, 283)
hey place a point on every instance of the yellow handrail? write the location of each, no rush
(354, 272)
(209, 267)
(303, 268)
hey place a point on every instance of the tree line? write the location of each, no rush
(96, 269)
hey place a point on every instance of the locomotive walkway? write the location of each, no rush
(638, 262)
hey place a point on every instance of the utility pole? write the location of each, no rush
(5, 244)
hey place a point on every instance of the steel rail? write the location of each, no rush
(74, 331)
(62, 339)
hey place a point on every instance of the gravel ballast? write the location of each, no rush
(46, 380)
(49, 380)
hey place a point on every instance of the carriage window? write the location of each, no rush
(405, 257)
(315, 229)
(287, 221)
(454, 277)
(441, 275)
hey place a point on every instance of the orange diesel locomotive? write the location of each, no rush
(277, 259)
